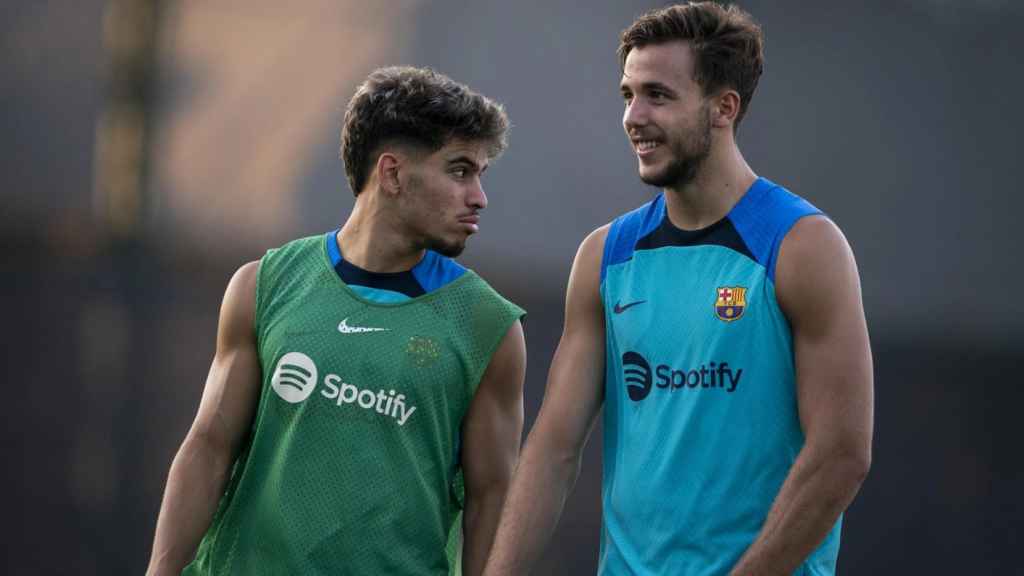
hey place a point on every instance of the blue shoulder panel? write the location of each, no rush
(628, 229)
(764, 216)
(435, 270)
(331, 239)
(380, 295)
(431, 273)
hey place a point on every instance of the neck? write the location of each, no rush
(372, 239)
(720, 182)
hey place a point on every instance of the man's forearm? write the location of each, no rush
(480, 522)
(819, 487)
(539, 489)
(194, 487)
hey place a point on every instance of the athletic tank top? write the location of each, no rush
(700, 416)
(352, 466)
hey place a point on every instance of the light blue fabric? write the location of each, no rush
(378, 295)
(700, 416)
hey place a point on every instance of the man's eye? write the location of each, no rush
(459, 172)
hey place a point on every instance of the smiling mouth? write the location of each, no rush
(645, 147)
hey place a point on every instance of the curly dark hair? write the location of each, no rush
(415, 107)
(727, 43)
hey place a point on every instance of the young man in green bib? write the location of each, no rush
(363, 411)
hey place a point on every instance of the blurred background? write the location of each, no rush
(150, 148)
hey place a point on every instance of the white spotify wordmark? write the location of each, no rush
(295, 377)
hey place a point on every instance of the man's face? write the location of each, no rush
(667, 118)
(442, 196)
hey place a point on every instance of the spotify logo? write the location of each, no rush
(295, 377)
(706, 377)
(637, 374)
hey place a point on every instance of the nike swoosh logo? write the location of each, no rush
(620, 309)
(344, 328)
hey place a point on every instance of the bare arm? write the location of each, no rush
(201, 467)
(818, 289)
(492, 433)
(550, 461)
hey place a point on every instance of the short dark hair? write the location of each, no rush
(416, 107)
(727, 43)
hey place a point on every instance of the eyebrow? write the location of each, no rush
(648, 86)
(463, 159)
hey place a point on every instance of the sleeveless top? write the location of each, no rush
(700, 418)
(352, 466)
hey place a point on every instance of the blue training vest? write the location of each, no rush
(700, 417)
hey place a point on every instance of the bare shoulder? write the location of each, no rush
(591, 251)
(238, 311)
(245, 276)
(241, 290)
(510, 357)
(814, 237)
(597, 236)
(816, 269)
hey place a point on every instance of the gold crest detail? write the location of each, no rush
(730, 302)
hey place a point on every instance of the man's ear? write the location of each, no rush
(387, 169)
(726, 109)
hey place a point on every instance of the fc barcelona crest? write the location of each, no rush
(731, 302)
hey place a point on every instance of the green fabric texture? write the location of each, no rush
(352, 466)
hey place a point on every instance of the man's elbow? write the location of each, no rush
(488, 481)
(555, 445)
(851, 463)
(206, 448)
(484, 500)
(494, 487)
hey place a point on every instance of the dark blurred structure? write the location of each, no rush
(897, 118)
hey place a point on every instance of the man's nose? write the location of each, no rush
(634, 116)
(477, 196)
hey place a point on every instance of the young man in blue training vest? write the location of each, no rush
(721, 328)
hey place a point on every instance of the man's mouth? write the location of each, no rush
(645, 147)
(472, 221)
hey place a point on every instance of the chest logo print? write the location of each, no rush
(294, 378)
(344, 328)
(619, 309)
(423, 350)
(731, 302)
